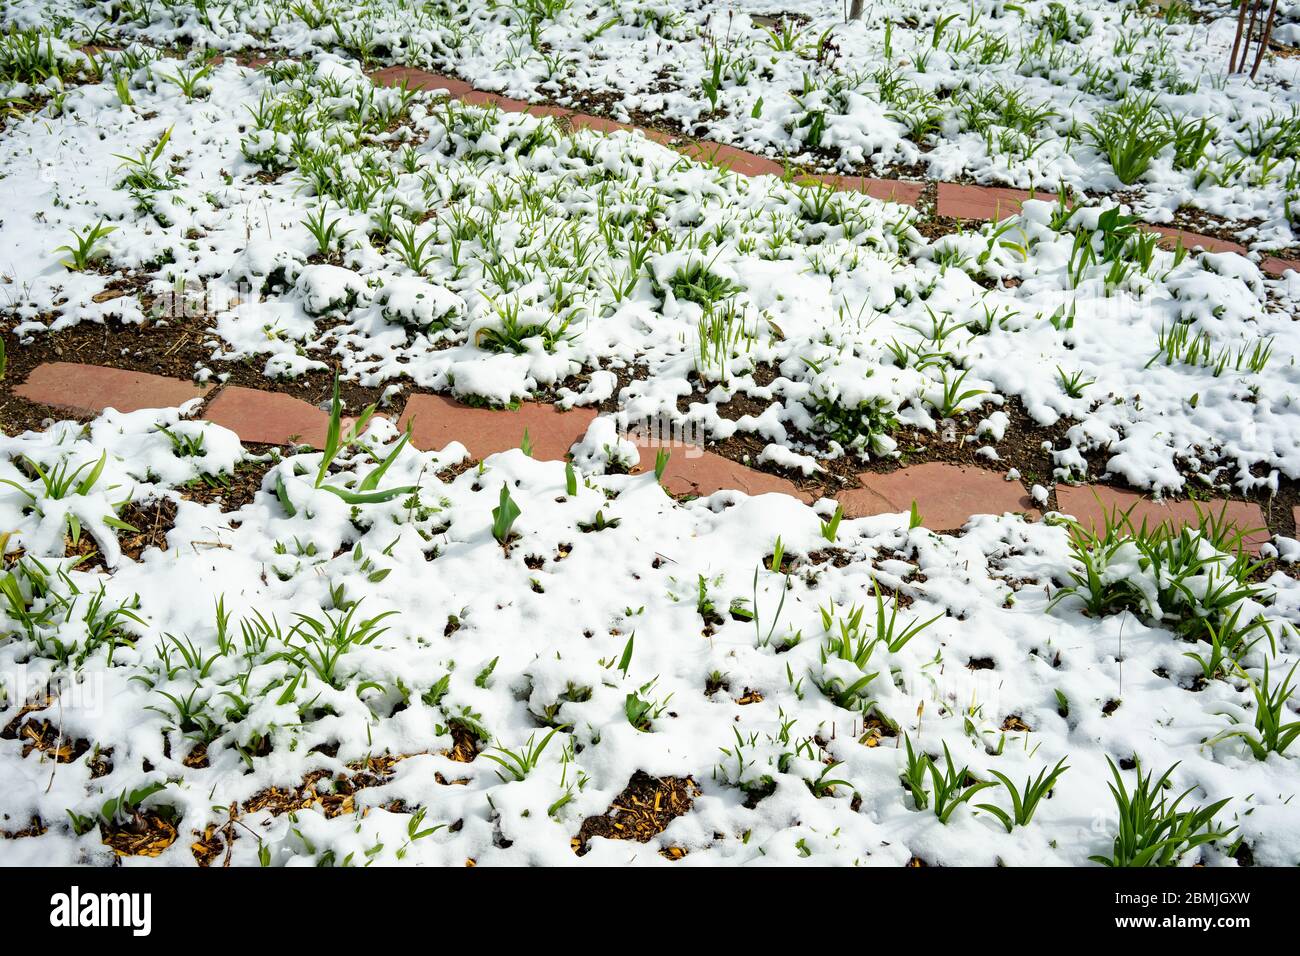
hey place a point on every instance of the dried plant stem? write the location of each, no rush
(1264, 38)
(1253, 29)
(1236, 43)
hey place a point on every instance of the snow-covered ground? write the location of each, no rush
(496, 256)
(316, 632)
(997, 92)
(304, 633)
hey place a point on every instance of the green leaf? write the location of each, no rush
(371, 481)
(282, 493)
(626, 660)
(369, 498)
(89, 481)
(504, 516)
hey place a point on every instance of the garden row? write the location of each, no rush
(944, 496)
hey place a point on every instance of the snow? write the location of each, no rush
(991, 587)
(782, 457)
(316, 221)
(841, 296)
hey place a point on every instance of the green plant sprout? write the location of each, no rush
(85, 247)
(504, 516)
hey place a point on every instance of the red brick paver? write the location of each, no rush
(729, 157)
(1279, 267)
(946, 495)
(268, 417)
(484, 98)
(555, 112)
(1092, 504)
(886, 190)
(484, 431)
(93, 388)
(981, 202)
(1170, 237)
(602, 124)
(693, 471)
(252, 61)
(420, 80)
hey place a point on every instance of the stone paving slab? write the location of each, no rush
(945, 495)
(1274, 266)
(93, 388)
(420, 80)
(271, 418)
(555, 112)
(484, 98)
(602, 124)
(981, 202)
(694, 471)
(1171, 237)
(1092, 504)
(440, 420)
(731, 158)
(886, 190)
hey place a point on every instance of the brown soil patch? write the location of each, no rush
(152, 520)
(208, 846)
(875, 730)
(235, 490)
(35, 827)
(466, 745)
(146, 835)
(642, 811)
(280, 800)
(340, 797)
(44, 737)
(174, 347)
(11, 729)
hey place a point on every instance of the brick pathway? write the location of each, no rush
(886, 190)
(720, 154)
(946, 496)
(270, 418)
(981, 202)
(1091, 505)
(954, 200)
(91, 388)
(1170, 238)
(694, 471)
(439, 420)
